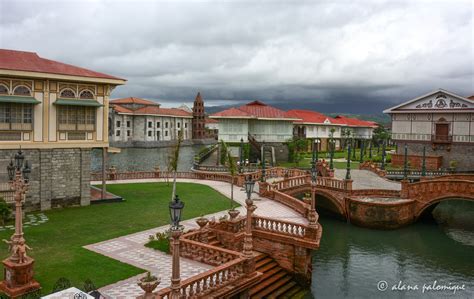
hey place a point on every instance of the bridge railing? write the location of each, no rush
(297, 205)
(279, 226)
(333, 183)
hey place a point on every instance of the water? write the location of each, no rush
(145, 159)
(352, 260)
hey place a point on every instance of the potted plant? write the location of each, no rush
(148, 283)
(453, 164)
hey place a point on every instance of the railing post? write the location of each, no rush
(404, 192)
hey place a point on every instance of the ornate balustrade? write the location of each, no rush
(333, 183)
(205, 253)
(374, 167)
(278, 226)
(291, 202)
(202, 284)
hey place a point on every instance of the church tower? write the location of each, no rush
(199, 131)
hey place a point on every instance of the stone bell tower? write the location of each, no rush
(199, 130)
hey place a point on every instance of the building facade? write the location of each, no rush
(134, 121)
(56, 113)
(255, 120)
(440, 122)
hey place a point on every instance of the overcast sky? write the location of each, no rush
(334, 56)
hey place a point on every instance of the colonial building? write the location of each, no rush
(135, 121)
(440, 122)
(255, 120)
(56, 113)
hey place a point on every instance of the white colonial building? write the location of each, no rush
(255, 120)
(442, 123)
(137, 120)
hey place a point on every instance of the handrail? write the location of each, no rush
(278, 226)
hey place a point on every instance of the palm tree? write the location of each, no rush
(232, 169)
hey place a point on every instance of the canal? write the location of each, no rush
(413, 262)
(145, 159)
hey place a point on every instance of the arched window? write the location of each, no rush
(86, 94)
(22, 91)
(3, 89)
(67, 93)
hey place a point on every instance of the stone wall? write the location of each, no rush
(463, 154)
(59, 177)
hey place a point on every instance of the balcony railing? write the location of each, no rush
(442, 138)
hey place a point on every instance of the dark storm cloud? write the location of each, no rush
(343, 56)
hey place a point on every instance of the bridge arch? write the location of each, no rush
(432, 203)
(334, 200)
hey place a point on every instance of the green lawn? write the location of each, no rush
(57, 244)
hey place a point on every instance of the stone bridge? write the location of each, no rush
(369, 200)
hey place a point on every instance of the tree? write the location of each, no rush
(230, 163)
(174, 162)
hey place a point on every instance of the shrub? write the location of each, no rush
(5, 211)
(62, 284)
(89, 286)
(161, 242)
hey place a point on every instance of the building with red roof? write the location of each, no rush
(256, 120)
(56, 113)
(134, 119)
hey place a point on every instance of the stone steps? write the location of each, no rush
(275, 281)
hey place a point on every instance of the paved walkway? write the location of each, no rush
(364, 179)
(130, 249)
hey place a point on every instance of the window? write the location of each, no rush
(185, 125)
(118, 123)
(86, 94)
(157, 124)
(166, 133)
(67, 93)
(150, 124)
(149, 133)
(158, 135)
(128, 124)
(128, 133)
(178, 125)
(16, 116)
(22, 91)
(3, 89)
(117, 133)
(166, 125)
(76, 118)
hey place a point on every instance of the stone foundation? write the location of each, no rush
(463, 154)
(59, 177)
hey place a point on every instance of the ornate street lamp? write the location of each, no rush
(332, 145)
(354, 146)
(370, 149)
(248, 246)
(405, 163)
(348, 167)
(361, 151)
(176, 207)
(423, 165)
(18, 266)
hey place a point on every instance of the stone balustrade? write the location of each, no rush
(279, 226)
(205, 253)
(202, 284)
(291, 202)
(333, 183)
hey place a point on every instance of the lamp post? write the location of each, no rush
(18, 266)
(370, 149)
(348, 168)
(176, 206)
(312, 216)
(354, 145)
(332, 145)
(405, 163)
(248, 246)
(361, 151)
(314, 159)
(423, 165)
(262, 179)
(241, 155)
(383, 155)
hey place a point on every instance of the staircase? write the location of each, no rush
(276, 282)
(212, 240)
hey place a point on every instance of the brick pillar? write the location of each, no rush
(85, 176)
(404, 191)
(45, 178)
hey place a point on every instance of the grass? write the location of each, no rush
(57, 244)
(161, 245)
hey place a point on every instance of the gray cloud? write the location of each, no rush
(336, 55)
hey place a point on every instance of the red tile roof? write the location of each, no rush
(211, 121)
(121, 109)
(31, 62)
(255, 109)
(308, 116)
(163, 111)
(354, 122)
(471, 98)
(133, 100)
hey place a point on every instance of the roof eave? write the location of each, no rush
(31, 74)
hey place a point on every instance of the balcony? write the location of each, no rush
(442, 139)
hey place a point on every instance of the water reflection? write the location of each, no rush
(352, 260)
